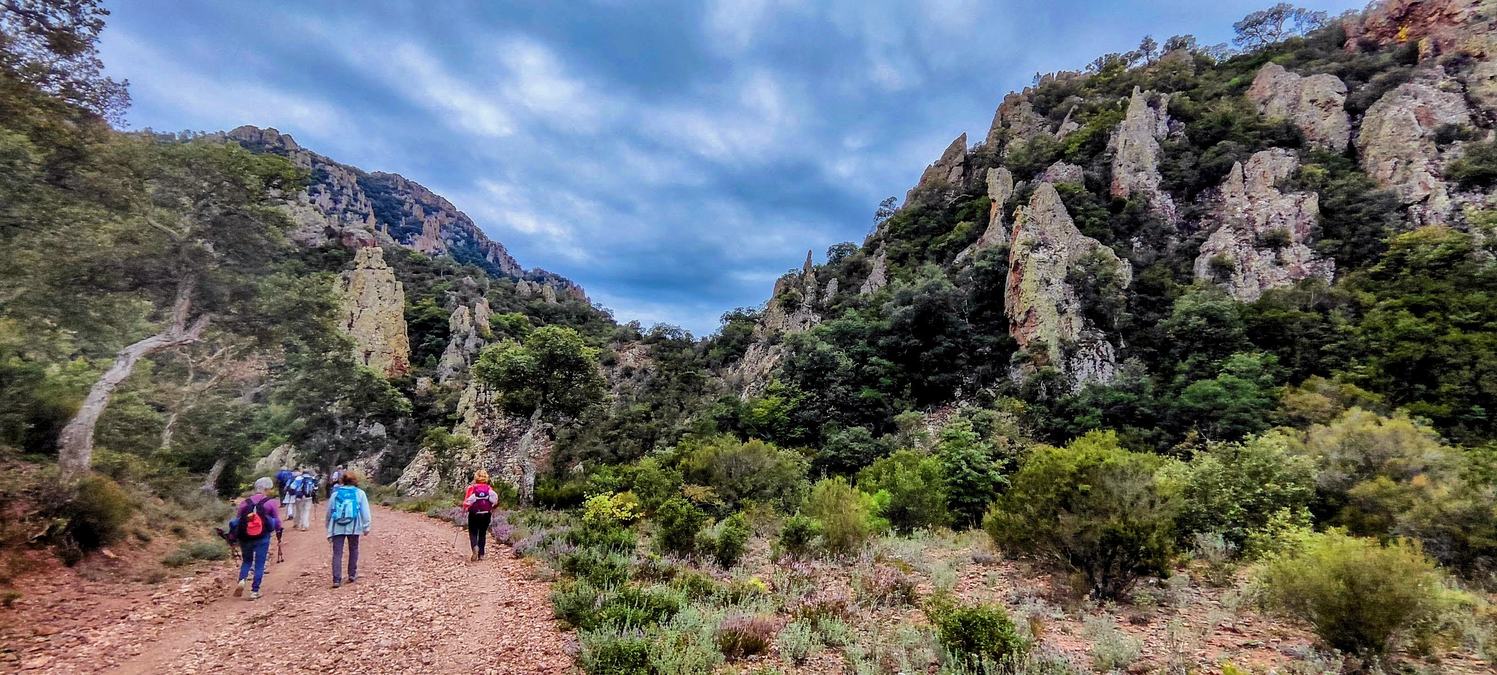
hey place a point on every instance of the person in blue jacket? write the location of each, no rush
(348, 518)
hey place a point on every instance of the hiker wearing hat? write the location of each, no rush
(479, 502)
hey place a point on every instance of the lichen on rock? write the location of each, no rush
(1000, 182)
(1136, 151)
(1261, 242)
(1397, 143)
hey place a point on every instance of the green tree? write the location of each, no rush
(909, 489)
(973, 476)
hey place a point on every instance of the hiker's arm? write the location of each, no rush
(368, 513)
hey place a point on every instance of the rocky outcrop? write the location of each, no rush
(947, 174)
(1000, 188)
(1063, 172)
(357, 208)
(1045, 313)
(1135, 153)
(1067, 126)
(1015, 122)
(1263, 232)
(751, 374)
(1397, 144)
(1437, 26)
(792, 308)
(509, 447)
(878, 274)
(468, 331)
(1315, 104)
(373, 314)
(282, 457)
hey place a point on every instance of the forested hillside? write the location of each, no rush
(1189, 365)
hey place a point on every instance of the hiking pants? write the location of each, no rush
(353, 557)
(290, 509)
(478, 530)
(254, 551)
(303, 512)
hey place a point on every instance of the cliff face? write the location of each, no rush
(1136, 151)
(1045, 314)
(1397, 143)
(1315, 104)
(373, 314)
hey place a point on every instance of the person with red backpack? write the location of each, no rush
(479, 501)
(257, 517)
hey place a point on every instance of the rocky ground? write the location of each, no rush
(419, 605)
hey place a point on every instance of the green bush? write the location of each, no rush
(1477, 169)
(600, 567)
(575, 601)
(797, 641)
(678, 521)
(1097, 509)
(975, 633)
(204, 549)
(846, 515)
(798, 535)
(1358, 596)
(848, 450)
(971, 472)
(909, 489)
(638, 607)
(753, 471)
(97, 513)
(731, 540)
(1232, 489)
(607, 652)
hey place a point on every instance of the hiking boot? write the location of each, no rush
(480, 555)
(337, 584)
(239, 590)
(352, 579)
(473, 557)
(254, 595)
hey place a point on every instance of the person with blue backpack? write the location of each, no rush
(301, 490)
(254, 521)
(348, 518)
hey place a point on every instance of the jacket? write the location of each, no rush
(361, 522)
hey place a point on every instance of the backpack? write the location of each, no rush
(345, 507)
(308, 487)
(482, 500)
(253, 521)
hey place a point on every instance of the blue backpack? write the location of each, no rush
(345, 507)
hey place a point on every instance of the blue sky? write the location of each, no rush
(673, 158)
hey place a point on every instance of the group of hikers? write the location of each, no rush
(348, 518)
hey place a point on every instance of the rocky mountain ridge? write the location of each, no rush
(1249, 233)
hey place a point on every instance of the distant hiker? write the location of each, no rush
(303, 488)
(479, 501)
(283, 478)
(348, 518)
(335, 480)
(288, 495)
(255, 520)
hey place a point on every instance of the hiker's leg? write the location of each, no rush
(303, 513)
(353, 556)
(246, 559)
(338, 558)
(473, 532)
(262, 551)
(482, 535)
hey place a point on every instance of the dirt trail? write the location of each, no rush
(419, 606)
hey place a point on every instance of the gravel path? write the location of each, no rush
(419, 606)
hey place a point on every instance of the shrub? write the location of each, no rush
(678, 522)
(1112, 649)
(1358, 596)
(1092, 507)
(574, 601)
(752, 471)
(640, 607)
(909, 489)
(798, 535)
(972, 475)
(731, 540)
(848, 450)
(203, 549)
(975, 633)
(797, 641)
(1477, 169)
(885, 585)
(599, 567)
(1232, 489)
(822, 604)
(845, 514)
(97, 513)
(607, 652)
(742, 636)
(610, 510)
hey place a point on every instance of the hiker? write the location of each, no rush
(479, 501)
(288, 496)
(256, 518)
(283, 478)
(335, 480)
(348, 518)
(303, 489)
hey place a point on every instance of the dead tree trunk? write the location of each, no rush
(75, 446)
(210, 483)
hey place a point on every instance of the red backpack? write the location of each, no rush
(253, 521)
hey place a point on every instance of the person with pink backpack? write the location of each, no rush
(479, 502)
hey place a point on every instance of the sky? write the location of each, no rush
(674, 158)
